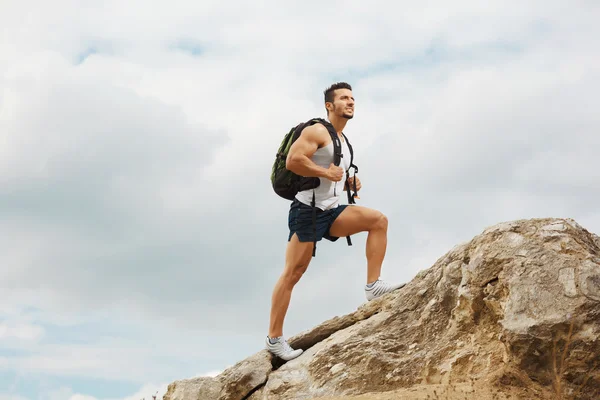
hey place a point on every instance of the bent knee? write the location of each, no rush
(381, 221)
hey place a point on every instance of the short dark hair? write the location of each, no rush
(329, 92)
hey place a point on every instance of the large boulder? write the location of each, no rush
(514, 313)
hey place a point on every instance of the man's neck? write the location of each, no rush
(339, 123)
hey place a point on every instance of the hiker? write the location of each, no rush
(317, 213)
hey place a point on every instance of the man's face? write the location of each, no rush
(343, 103)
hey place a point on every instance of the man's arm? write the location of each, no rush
(298, 159)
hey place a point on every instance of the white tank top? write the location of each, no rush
(327, 195)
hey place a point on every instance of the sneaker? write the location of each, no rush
(380, 288)
(282, 349)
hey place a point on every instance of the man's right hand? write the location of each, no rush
(335, 173)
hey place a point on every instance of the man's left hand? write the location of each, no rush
(351, 183)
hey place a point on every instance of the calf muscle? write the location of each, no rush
(297, 258)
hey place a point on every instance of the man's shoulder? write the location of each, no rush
(317, 130)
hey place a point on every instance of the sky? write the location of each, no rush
(140, 238)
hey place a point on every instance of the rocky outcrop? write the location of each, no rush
(514, 313)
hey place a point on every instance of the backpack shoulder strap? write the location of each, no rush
(351, 196)
(337, 144)
(351, 154)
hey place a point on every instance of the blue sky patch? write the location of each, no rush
(81, 57)
(191, 46)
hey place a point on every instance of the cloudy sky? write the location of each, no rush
(140, 238)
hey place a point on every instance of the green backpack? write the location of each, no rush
(287, 184)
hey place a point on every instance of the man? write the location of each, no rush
(311, 155)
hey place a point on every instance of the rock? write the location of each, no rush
(236, 382)
(492, 317)
(195, 388)
(239, 380)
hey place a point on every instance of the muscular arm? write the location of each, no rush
(298, 159)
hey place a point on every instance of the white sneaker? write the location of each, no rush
(282, 349)
(380, 288)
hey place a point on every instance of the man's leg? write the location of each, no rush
(355, 219)
(297, 258)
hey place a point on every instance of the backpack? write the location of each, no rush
(287, 184)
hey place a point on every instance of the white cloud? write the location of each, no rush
(136, 143)
(20, 331)
(148, 392)
(66, 393)
(11, 397)
(81, 397)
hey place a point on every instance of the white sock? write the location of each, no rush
(370, 285)
(273, 340)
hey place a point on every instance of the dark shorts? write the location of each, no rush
(300, 221)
